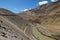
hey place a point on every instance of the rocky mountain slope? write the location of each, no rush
(41, 23)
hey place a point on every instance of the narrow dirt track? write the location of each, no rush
(17, 28)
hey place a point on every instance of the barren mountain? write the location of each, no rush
(41, 23)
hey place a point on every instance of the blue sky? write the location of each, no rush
(20, 5)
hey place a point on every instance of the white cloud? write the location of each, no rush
(25, 9)
(43, 2)
(54, 0)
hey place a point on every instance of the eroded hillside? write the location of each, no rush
(41, 23)
(47, 17)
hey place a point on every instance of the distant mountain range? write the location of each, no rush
(41, 23)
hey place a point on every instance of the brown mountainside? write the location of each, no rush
(41, 23)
